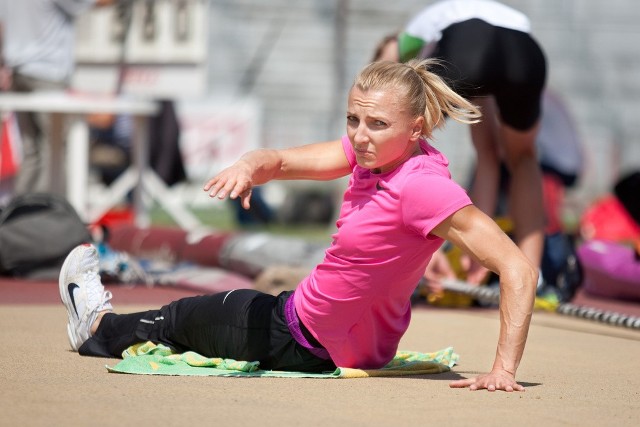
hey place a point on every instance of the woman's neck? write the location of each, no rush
(412, 151)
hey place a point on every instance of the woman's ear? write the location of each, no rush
(416, 131)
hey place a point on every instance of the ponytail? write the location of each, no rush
(426, 94)
(442, 101)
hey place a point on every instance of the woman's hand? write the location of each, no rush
(234, 181)
(494, 380)
(319, 161)
(475, 273)
(438, 268)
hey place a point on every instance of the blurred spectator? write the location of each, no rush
(488, 56)
(112, 138)
(110, 153)
(37, 54)
(561, 159)
(260, 213)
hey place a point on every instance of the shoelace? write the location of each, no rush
(97, 297)
(106, 296)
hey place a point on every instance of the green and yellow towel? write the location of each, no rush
(151, 359)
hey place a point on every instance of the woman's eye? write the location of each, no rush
(352, 119)
(379, 123)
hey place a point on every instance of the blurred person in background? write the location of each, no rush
(37, 40)
(110, 136)
(488, 56)
(560, 155)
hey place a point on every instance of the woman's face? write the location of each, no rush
(382, 132)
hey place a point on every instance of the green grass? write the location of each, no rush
(223, 219)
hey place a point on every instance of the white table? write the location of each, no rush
(66, 109)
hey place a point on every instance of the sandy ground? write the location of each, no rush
(577, 373)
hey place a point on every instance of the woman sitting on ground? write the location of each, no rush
(354, 307)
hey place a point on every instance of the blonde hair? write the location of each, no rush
(425, 93)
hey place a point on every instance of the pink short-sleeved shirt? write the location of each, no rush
(356, 303)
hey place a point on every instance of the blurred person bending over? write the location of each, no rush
(488, 56)
(37, 54)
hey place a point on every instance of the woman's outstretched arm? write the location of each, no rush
(319, 161)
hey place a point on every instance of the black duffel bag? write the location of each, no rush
(37, 232)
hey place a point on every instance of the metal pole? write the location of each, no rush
(590, 313)
(339, 65)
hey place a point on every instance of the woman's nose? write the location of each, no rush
(361, 135)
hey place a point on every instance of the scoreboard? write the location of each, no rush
(143, 47)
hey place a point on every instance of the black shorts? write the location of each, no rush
(480, 59)
(242, 324)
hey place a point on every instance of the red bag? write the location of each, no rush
(607, 219)
(9, 147)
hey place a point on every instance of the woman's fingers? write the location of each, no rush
(490, 382)
(221, 186)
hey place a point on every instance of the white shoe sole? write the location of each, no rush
(64, 297)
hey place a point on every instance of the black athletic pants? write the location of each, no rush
(242, 324)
